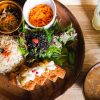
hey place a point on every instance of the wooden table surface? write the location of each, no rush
(83, 11)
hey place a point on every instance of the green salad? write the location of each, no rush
(55, 44)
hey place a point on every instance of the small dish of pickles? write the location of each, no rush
(10, 17)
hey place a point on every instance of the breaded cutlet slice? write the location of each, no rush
(51, 75)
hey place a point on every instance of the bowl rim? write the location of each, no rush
(19, 8)
(46, 26)
(91, 69)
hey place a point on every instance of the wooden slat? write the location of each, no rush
(84, 15)
(79, 2)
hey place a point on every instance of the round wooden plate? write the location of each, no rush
(49, 90)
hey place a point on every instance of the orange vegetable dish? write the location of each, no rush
(40, 15)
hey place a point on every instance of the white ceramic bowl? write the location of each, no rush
(29, 4)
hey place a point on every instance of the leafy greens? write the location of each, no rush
(22, 46)
(59, 54)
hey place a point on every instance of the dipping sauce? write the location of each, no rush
(92, 84)
(40, 15)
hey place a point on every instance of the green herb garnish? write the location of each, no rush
(69, 29)
(23, 28)
(53, 51)
(22, 46)
(49, 34)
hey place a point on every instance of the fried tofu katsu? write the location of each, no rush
(27, 78)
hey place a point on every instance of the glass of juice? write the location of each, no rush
(96, 17)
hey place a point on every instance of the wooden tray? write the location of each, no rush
(50, 90)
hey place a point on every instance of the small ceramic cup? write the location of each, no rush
(29, 4)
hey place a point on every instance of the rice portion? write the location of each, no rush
(14, 59)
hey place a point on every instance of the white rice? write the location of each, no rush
(14, 59)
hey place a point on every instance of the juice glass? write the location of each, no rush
(96, 17)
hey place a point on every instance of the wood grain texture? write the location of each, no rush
(84, 14)
(79, 2)
(51, 90)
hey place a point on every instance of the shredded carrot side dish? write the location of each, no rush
(40, 15)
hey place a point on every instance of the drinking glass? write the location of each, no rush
(96, 17)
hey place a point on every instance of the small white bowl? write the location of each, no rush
(29, 4)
